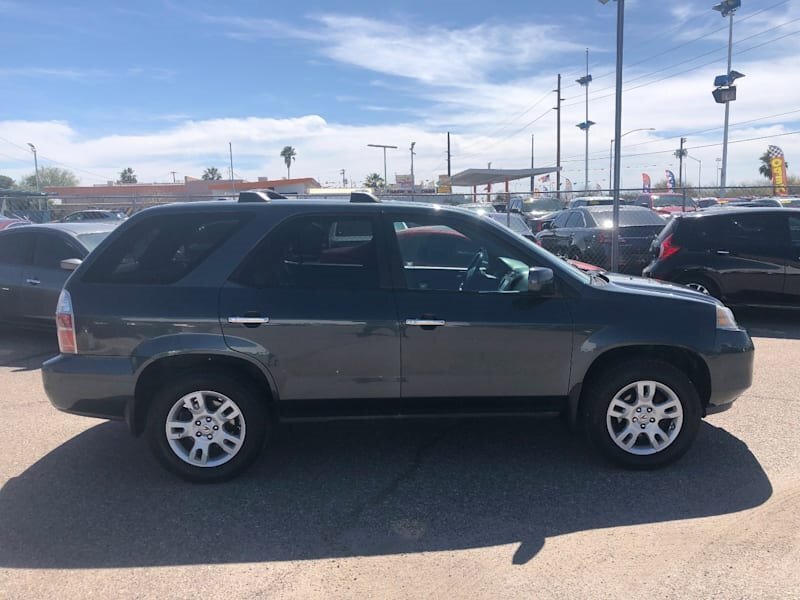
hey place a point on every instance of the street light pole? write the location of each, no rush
(611, 151)
(385, 180)
(727, 8)
(36, 167)
(699, 171)
(413, 185)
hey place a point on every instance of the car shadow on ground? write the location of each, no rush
(770, 323)
(348, 489)
(26, 349)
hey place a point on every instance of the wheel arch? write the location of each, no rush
(159, 368)
(688, 361)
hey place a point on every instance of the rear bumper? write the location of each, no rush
(731, 369)
(91, 386)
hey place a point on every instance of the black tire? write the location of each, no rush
(599, 393)
(701, 281)
(251, 404)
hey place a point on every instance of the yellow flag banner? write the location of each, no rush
(777, 162)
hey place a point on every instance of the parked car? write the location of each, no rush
(84, 216)
(584, 234)
(202, 324)
(6, 223)
(536, 207)
(481, 207)
(35, 261)
(743, 256)
(790, 202)
(541, 222)
(666, 204)
(706, 202)
(755, 203)
(514, 222)
(591, 201)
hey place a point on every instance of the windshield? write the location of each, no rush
(543, 205)
(92, 240)
(660, 201)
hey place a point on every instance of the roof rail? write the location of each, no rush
(363, 197)
(260, 196)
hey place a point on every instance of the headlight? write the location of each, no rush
(725, 318)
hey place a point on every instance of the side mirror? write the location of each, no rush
(547, 225)
(539, 279)
(70, 264)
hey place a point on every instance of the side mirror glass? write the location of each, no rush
(539, 279)
(70, 264)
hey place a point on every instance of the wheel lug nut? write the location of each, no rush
(198, 434)
(208, 419)
(639, 409)
(216, 427)
(197, 423)
(635, 419)
(649, 410)
(209, 436)
(644, 426)
(652, 420)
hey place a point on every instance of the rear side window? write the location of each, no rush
(314, 252)
(51, 249)
(742, 231)
(164, 249)
(16, 249)
(575, 220)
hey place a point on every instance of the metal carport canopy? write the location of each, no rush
(475, 177)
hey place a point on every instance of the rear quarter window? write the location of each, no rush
(163, 249)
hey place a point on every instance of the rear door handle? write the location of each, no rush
(426, 322)
(32, 281)
(248, 321)
(723, 252)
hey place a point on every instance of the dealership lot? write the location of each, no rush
(454, 508)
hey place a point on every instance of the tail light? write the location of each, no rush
(65, 324)
(667, 247)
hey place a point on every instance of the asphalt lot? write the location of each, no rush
(438, 509)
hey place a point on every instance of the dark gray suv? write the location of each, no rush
(202, 325)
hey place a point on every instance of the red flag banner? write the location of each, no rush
(645, 183)
(777, 163)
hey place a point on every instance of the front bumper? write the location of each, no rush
(730, 368)
(91, 386)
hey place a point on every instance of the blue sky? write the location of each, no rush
(162, 86)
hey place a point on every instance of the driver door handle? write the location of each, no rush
(32, 281)
(426, 322)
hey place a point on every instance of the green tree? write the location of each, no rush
(289, 154)
(127, 176)
(49, 177)
(374, 181)
(212, 174)
(6, 182)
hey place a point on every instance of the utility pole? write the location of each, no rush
(448, 154)
(36, 167)
(587, 124)
(233, 185)
(558, 138)
(344, 180)
(679, 154)
(413, 183)
(533, 179)
(173, 176)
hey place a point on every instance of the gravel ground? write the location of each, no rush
(492, 508)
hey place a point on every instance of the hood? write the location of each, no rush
(655, 287)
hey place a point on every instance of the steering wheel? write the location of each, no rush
(481, 256)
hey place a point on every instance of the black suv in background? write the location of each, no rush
(743, 256)
(202, 324)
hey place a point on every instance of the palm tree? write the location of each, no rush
(289, 154)
(374, 181)
(212, 174)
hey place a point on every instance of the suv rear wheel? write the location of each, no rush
(207, 427)
(701, 284)
(642, 414)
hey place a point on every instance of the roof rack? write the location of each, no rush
(260, 196)
(363, 197)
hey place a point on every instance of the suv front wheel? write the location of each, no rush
(642, 414)
(207, 427)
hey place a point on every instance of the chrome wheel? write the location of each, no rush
(698, 287)
(644, 418)
(205, 429)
